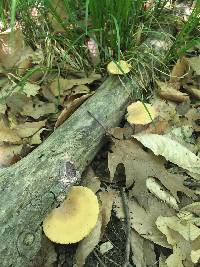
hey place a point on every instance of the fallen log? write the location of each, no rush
(33, 186)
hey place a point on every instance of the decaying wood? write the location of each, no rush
(33, 186)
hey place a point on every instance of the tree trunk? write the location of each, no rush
(33, 186)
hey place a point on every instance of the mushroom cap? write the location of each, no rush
(74, 219)
(113, 67)
(138, 114)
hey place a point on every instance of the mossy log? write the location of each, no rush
(33, 186)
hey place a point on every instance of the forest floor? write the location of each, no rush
(146, 176)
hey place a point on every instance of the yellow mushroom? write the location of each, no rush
(138, 114)
(74, 219)
(120, 67)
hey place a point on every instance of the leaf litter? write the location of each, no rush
(32, 103)
(155, 162)
(157, 167)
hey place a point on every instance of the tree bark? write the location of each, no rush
(33, 186)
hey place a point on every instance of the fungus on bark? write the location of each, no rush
(74, 219)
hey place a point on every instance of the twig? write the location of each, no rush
(128, 227)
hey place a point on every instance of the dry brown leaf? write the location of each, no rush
(70, 108)
(193, 208)
(61, 85)
(8, 154)
(16, 102)
(2, 108)
(117, 132)
(61, 12)
(30, 89)
(179, 69)
(80, 89)
(86, 246)
(168, 92)
(48, 94)
(188, 230)
(162, 260)
(195, 256)
(36, 138)
(29, 128)
(11, 47)
(25, 61)
(8, 135)
(143, 250)
(143, 220)
(106, 199)
(194, 63)
(38, 109)
(131, 154)
(158, 127)
(192, 90)
(183, 236)
(90, 180)
(166, 110)
(171, 150)
(161, 193)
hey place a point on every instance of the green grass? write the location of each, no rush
(118, 26)
(184, 40)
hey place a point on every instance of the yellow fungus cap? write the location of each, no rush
(138, 114)
(120, 67)
(74, 219)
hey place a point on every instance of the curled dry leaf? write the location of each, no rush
(160, 192)
(70, 108)
(171, 150)
(118, 67)
(140, 113)
(168, 92)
